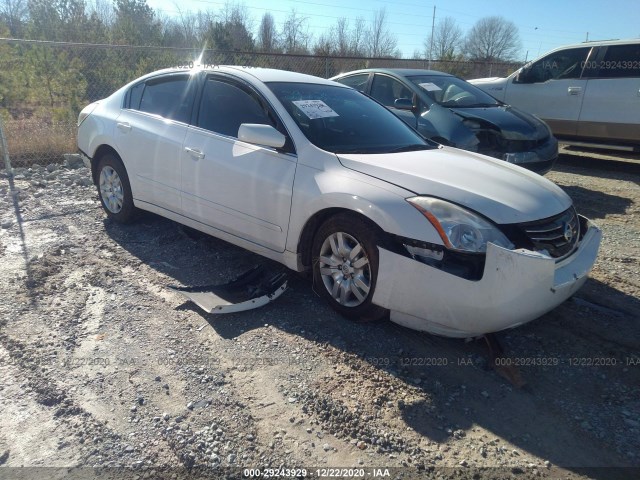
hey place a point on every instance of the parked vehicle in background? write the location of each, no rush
(319, 177)
(588, 93)
(449, 110)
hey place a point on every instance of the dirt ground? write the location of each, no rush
(101, 365)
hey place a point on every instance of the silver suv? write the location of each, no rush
(589, 94)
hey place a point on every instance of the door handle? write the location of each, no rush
(195, 153)
(574, 90)
(123, 127)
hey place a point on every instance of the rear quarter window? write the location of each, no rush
(620, 61)
(135, 95)
(359, 82)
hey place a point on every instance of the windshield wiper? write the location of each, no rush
(338, 151)
(411, 148)
(471, 105)
(483, 105)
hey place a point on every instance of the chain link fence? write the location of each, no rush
(44, 85)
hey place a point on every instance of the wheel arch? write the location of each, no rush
(305, 241)
(100, 152)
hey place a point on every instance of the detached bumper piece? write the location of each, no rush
(253, 289)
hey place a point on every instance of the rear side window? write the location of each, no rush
(620, 61)
(224, 107)
(168, 97)
(359, 82)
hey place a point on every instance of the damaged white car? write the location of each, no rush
(319, 177)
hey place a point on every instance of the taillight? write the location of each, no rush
(86, 111)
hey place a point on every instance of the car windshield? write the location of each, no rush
(343, 120)
(453, 92)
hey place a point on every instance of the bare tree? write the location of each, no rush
(187, 23)
(342, 40)
(103, 11)
(235, 26)
(295, 34)
(236, 14)
(493, 39)
(382, 43)
(341, 36)
(204, 23)
(14, 13)
(267, 34)
(325, 45)
(447, 40)
(358, 35)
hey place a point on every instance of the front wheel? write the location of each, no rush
(114, 189)
(345, 267)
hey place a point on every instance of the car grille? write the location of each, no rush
(557, 235)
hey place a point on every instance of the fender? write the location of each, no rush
(381, 202)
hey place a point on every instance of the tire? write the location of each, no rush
(114, 189)
(345, 266)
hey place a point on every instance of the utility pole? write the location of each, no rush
(587, 37)
(433, 26)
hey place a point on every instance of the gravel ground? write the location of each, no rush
(102, 366)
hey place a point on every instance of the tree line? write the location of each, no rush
(232, 28)
(51, 83)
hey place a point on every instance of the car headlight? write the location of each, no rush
(543, 128)
(459, 228)
(472, 125)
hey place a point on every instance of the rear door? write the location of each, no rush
(237, 187)
(149, 135)
(552, 89)
(611, 106)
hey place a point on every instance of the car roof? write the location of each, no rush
(597, 43)
(258, 73)
(402, 72)
(593, 43)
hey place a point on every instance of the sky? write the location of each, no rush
(543, 24)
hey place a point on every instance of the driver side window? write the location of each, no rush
(556, 66)
(224, 107)
(387, 90)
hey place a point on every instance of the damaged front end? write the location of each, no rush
(528, 145)
(456, 294)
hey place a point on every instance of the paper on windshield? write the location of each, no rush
(430, 87)
(315, 108)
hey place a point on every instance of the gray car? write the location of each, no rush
(451, 111)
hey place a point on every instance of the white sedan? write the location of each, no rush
(317, 176)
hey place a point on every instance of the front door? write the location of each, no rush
(236, 187)
(552, 89)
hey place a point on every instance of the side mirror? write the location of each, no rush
(261, 135)
(403, 104)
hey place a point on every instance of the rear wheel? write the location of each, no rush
(114, 189)
(345, 267)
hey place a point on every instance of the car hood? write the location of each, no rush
(513, 123)
(501, 192)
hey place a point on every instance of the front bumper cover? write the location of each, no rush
(517, 286)
(539, 160)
